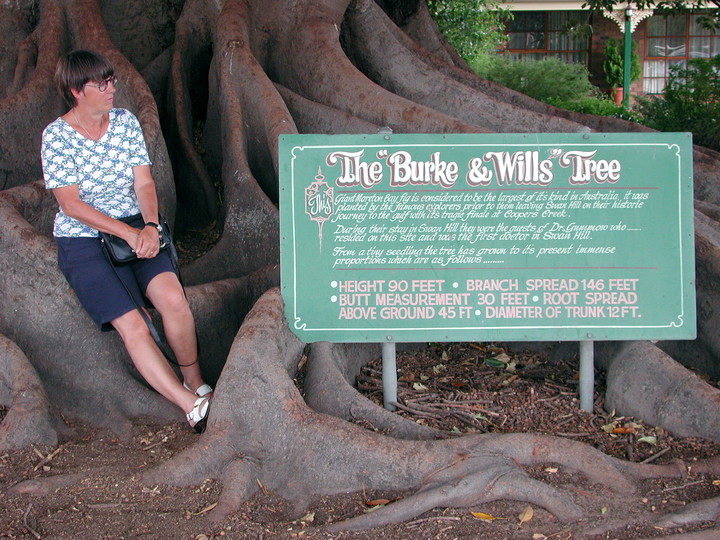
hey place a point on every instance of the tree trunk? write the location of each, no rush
(229, 79)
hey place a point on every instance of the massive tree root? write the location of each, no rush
(329, 389)
(241, 73)
(245, 107)
(303, 454)
(646, 383)
(28, 420)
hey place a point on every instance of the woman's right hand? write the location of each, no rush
(145, 242)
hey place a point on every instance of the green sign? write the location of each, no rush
(538, 237)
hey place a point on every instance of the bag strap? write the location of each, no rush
(164, 349)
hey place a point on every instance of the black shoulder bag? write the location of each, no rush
(119, 252)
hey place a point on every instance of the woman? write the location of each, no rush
(96, 164)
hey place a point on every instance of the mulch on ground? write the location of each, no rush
(486, 388)
(456, 387)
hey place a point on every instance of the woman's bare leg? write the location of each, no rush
(168, 297)
(150, 362)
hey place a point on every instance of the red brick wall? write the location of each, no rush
(604, 28)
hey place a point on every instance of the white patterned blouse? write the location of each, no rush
(101, 169)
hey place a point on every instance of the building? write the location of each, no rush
(541, 29)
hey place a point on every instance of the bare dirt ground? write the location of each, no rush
(460, 388)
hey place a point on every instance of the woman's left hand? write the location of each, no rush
(148, 245)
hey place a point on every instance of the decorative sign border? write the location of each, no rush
(539, 237)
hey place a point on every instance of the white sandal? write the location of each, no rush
(197, 417)
(203, 390)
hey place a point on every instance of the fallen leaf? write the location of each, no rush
(538, 536)
(716, 482)
(444, 355)
(437, 369)
(302, 362)
(424, 377)
(308, 518)
(378, 502)
(526, 515)
(419, 387)
(504, 358)
(492, 362)
(608, 428)
(551, 470)
(204, 510)
(484, 517)
(603, 510)
(648, 439)
(623, 430)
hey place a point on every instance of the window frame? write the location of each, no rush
(650, 81)
(563, 53)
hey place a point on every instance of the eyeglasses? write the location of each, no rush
(104, 84)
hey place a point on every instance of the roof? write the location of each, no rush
(557, 5)
(538, 5)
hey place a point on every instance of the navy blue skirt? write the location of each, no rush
(98, 284)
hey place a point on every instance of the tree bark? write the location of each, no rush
(29, 419)
(228, 79)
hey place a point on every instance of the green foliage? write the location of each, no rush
(596, 104)
(691, 102)
(551, 81)
(577, 29)
(470, 26)
(615, 60)
(543, 80)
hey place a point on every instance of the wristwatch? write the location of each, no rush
(153, 224)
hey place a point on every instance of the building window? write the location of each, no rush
(537, 34)
(672, 40)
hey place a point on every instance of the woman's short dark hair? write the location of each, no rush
(77, 68)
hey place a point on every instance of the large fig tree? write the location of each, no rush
(214, 83)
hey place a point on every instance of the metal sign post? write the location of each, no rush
(389, 375)
(587, 375)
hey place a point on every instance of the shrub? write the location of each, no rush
(690, 102)
(471, 26)
(598, 105)
(543, 80)
(615, 60)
